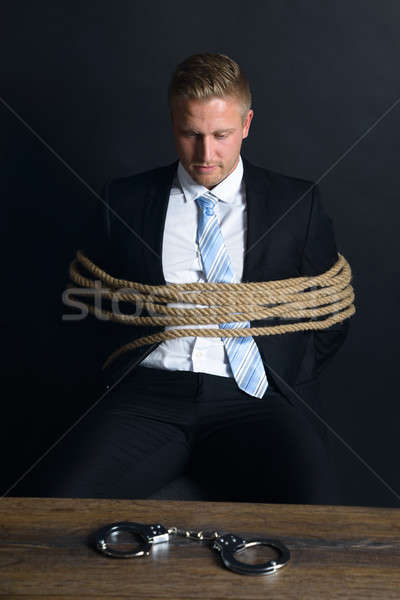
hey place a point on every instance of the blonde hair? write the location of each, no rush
(205, 76)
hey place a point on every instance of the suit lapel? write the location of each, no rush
(258, 200)
(154, 214)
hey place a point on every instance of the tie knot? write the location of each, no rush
(207, 203)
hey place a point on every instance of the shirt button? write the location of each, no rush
(197, 354)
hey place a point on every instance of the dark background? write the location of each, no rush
(90, 80)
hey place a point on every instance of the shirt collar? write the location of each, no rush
(226, 191)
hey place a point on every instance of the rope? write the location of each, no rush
(308, 297)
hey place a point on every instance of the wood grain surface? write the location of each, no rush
(336, 552)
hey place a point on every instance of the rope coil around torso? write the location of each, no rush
(329, 295)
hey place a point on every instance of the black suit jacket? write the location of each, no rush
(288, 234)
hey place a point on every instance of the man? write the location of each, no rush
(243, 428)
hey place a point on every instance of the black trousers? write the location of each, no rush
(156, 424)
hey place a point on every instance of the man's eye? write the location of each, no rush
(219, 136)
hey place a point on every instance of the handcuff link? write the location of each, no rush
(149, 534)
(229, 543)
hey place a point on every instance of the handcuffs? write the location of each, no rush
(225, 544)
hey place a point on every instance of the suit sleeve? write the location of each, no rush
(88, 335)
(320, 254)
(97, 236)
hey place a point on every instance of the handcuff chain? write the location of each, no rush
(199, 536)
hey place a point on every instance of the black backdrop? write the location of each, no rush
(83, 98)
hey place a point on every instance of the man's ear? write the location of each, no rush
(246, 124)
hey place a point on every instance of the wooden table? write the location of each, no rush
(337, 552)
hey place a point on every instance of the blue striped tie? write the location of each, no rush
(244, 357)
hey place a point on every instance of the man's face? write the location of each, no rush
(208, 137)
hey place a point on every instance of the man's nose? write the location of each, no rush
(205, 149)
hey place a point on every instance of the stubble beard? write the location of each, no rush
(211, 180)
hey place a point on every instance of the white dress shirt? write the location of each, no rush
(181, 262)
